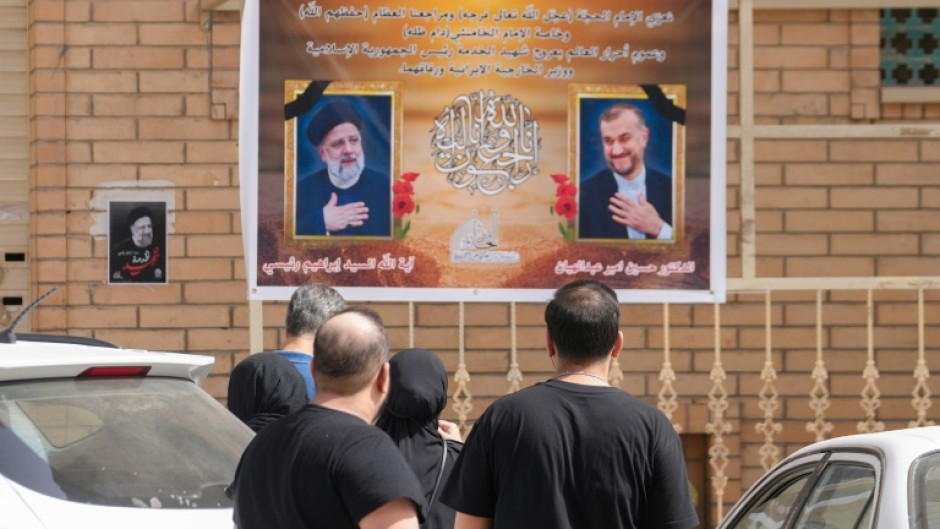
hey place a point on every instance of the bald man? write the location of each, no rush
(325, 466)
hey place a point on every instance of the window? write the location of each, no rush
(924, 487)
(910, 55)
(147, 442)
(840, 499)
(770, 511)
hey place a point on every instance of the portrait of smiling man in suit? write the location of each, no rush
(627, 171)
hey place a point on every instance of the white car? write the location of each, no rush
(99, 437)
(888, 480)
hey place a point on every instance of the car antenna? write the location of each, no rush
(7, 335)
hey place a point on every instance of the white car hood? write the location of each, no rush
(52, 513)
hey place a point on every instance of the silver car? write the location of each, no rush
(888, 480)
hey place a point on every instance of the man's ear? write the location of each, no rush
(618, 345)
(550, 346)
(322, 152)
(383, 380)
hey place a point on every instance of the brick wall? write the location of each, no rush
(14, 176)
(824, 205)
(123, 100)
(124, 104)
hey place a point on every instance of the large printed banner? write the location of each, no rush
(484, 151)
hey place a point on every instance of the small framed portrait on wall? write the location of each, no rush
(137, 242)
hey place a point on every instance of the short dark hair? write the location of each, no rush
(614, 111)
(310, 306)
(349, 352)
(583, 320)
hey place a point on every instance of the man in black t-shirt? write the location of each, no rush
(325, 466)
(573, 452)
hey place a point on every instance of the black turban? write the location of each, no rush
(330, 116)
(138, 213)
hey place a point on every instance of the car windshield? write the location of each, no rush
(134, 442)
(924, 494)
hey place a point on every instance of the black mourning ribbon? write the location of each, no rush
(663, 105)
(306, 100)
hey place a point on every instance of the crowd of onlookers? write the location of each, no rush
(348, 438)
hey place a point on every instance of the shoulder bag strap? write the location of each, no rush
(440, 475)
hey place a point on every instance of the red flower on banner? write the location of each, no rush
(566, 189)
(403, 188)
(566, 207)
(402, 205)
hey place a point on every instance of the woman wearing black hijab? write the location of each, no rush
(416, 399)
(263, 388)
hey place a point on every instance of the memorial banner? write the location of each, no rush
(483, 152)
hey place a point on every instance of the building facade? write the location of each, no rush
(833, 226)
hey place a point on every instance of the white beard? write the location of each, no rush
(144, 241)
(345, 177)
